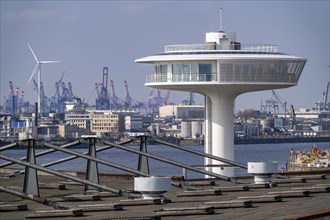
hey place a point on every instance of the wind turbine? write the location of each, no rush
(38, 67)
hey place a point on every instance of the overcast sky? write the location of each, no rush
(88, 35)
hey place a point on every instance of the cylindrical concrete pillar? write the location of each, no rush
(222, 116)
(208, 131)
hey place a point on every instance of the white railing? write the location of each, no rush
(259, 47)
(168, 78)
(265, 48)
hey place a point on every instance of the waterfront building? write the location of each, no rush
(305, 113)
(192, 129)
(71, 131)
(182, 111)
(220, 70)
(82, 120)
(133, 123)
(12, 128)
(47, 131)
(5, 130)
(104, 121)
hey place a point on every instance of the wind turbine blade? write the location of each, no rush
(45, 62)
(35, 68)
(35, 57)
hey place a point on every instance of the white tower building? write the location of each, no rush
(221, 69)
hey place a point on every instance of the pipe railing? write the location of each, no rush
(230, 162)
(167, 161)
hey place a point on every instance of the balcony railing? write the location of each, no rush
(264, 48)
(193, 77)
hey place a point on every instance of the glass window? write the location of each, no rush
(194, 71)
(194, 68)
(186, 68)
(186, 72)
(204, 68)
(177, 72)
(163, 68)
(177, 68)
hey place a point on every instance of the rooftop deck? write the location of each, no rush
(211, 199)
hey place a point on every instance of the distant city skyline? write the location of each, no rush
(86, 36)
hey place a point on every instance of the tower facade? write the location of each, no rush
(221, 69)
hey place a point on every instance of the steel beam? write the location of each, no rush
(8, 146)
(167, 161)
(143, 164)
(45, 152)
(31, 178)
(66, 158)
(63, 175)
(92, 173)
(120, 167)
(231, 162)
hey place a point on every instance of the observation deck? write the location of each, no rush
(250, 64)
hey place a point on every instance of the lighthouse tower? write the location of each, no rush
(221, 69)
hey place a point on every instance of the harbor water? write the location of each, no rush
(243, 154)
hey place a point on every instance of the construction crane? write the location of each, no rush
(11, 88)
(159, 98)
(292, 122)
(271, 105)
(117, 103)
(280, 100)
(128, 99)
(153, 102)
(166, 97)
(114, 98)
(323, 104)
(325, 95)
(70, 92)
(65, 94)
(102, 95)
(105, 102)
(11, 101)
(97, 94)
(44, 99)
(189, 100)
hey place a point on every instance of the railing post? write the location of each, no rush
(92, 173)
(143, 164)
(184, 173)
(31, 178)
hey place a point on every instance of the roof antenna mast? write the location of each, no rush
(220, 19)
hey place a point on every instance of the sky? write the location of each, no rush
(86, 36)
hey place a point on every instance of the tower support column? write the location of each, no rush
(208, 131)
(222, 138)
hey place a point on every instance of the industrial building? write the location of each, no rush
(182, 111)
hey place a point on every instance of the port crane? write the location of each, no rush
(323, 104)
(272, 104)
(102, 95)
(166, 97)
(128, 99)
(117, 103)
(189, 100)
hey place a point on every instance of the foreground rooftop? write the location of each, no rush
(294, 195)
